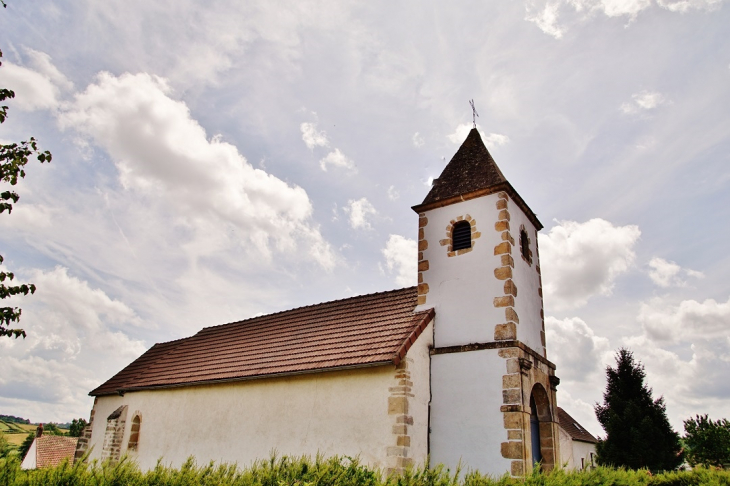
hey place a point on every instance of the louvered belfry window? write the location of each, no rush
(461, 236)
(525, 246)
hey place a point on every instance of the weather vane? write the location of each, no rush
(474, 113)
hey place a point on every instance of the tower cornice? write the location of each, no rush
(501, 187)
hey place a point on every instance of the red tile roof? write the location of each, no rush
(367, 330)
(51, 450)
(573, 428)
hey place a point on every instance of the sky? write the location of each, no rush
(213, 163)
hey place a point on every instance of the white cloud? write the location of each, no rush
(418, 140)
(43, 64)
(492, 140)
(393, 193)
(312, 138)
(619, 8)
(359, 211)
(689, 320)
(683, 6)
(643, 101)
(495, 140)
(401, 257)
(581, 260)
(580, 410)
(692, 379)
(587, 350)
(546, 18)
(460, 133)
(668, 274)
(33, 90)
(336, 159)
(77, 337)
(556, 17)
(161, 152)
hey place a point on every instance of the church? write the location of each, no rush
(452, 371)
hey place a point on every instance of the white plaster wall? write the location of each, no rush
(462, 288)
(572, 451)
(466, 422)
(421, 378)
(343, 412)
(583, 450)
(30, 457)
(528, 302)
(566, 449)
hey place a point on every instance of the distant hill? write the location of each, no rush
(14, 419)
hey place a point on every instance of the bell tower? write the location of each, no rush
(493, 389)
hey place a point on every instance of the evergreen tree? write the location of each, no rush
(638, 434)
(77, 427)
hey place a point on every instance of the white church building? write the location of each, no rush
(453, 371)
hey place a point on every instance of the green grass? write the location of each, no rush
(335, 471)
(14, 428)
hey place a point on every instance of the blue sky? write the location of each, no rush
(214, 163)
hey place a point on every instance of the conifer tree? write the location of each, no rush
(638, 433)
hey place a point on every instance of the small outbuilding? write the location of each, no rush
(50, 451)
(577, 445)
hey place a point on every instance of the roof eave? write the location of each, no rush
(425, 319)
(122, 391)
(501, 187)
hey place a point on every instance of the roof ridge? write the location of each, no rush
(358, 331)
(403, 289)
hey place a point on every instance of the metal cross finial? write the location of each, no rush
(474, 113)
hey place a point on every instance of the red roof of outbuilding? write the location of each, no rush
(51, 450)
(367, 330)
(573, 428)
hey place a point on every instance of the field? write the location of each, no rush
(342, 471)
(16, 433)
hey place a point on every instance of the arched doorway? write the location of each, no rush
(541, 429)
(535, 433)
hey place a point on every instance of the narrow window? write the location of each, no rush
(461, 236)
(134, 433)
(525, 245)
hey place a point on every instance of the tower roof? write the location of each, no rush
(470, 169)
(472, 172)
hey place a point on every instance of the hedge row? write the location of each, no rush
(335, 471)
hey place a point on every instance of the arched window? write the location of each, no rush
(461, 236)
(134, 433)
(525, 246)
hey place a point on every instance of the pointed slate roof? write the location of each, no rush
(368, 330)
(471, 173)
(471, 168)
